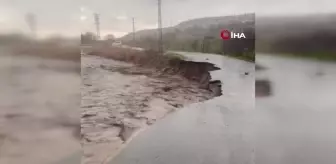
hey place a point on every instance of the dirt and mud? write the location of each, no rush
(120, 99)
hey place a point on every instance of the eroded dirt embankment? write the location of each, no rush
(166, 64)
(119, 99)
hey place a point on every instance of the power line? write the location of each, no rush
(97, 23)
(133, 29)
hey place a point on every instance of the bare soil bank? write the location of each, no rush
(119, 99)
(166, 64)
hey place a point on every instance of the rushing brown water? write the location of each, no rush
(119, 99)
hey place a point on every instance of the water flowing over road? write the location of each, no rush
(119, 99)
(216, 131)
(294, 125)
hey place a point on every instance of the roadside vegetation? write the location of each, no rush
(320, 56)
(170, 63)
(310, 46)
(244, 51)
(175, 55)
(308, 36)
(202, 35)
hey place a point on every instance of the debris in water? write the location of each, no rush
(127, 131)
(166, 89)
(263, 88)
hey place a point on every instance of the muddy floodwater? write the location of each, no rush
(119, 100)
(217, 131)
(39, 116)
(295, 124)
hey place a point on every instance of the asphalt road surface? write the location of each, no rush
(294, 125)
(213, 132)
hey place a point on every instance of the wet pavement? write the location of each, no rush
(293, 125)
(120, 99)
(216, 131)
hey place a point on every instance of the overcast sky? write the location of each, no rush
(71, 17)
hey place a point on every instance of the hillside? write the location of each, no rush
(303, 35)
(195, 28)
(308, 35)
(201, 35)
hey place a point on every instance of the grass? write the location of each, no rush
(321, 56)
(148, 58)
(248, 56)
(175, 55)
(170, 64)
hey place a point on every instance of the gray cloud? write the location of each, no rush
(63, 16)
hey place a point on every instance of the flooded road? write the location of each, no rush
(299, 81)
(39, 111)
(120, 99)
(39, 116)
(216, 131)
(295, 125)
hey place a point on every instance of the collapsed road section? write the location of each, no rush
(120, 99)
(216, 131)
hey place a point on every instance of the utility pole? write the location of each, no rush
(160, 28)
(96, 18)
(133, 29)
(31, 21)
